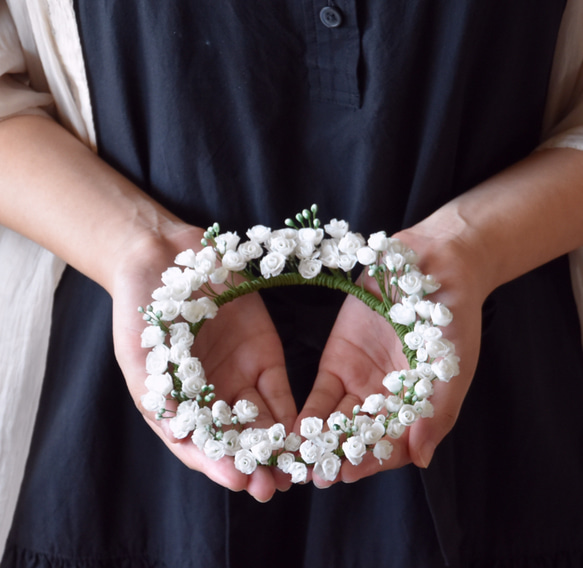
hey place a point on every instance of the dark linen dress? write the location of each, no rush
(380, 111)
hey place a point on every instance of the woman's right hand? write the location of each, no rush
(240, 350)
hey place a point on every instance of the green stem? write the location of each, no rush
(324, 280)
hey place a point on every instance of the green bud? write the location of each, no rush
(306, 214)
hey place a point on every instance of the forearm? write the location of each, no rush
(517, 220)
(58, 193)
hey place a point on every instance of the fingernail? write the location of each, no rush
(426, 454)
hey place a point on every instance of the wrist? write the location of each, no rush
(451, 250)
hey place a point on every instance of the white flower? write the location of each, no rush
(153, 401)
(210, 308)
(439, 348)
(441, 315)
(402, 314)
(395, 428)
(200, 436)
(310, 235)
(196, 278)
(214, 449)
(250, 250)
(276, 436)
(159, 383)
(414, 340)
(163, 293)
(219, 275)
(410, 377)
(152, 336)
(283, 242)
(310, 451)
(328, 441)
(305, 251)
(179, 352)
(250, 437)
(411, 283)
(372, 433)
(183, 423)
(339, 422)
(285, 461)
(382, 450)
(178, 283)
(192, 386)
(329, 253)
(205, 262)
(186, 258)
(157, 360)
(354, 449)
(272, 264)
(230, 442)
(227, 241)
(360, 422)
(233, 261)
(424, 388)
(407, 415)
(379, 241)
(350, 243)
(424, 408)
(311, 427)
(192, 311)
(424, 309)
(180, 333)
(245, 462)
(170, 309)
(292, 442)
(245, 411)
(259, 233)
(394, 261)
(424, 371)
(421, 355)
(310, 268)
(203, 415)
(196, 310)
(430, 285)
(347, 262)
(328, 466)
(262, 451)
(373, 403)
(298, 471)
(366, 256)
(188, 368)
(446, 368)
(336, 229)
(394, 403)
(221, 412)
(393, 382)
(429, 332)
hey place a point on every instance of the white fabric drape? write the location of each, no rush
(40, 53)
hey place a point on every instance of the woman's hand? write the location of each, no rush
(363, 348)
(239, 349)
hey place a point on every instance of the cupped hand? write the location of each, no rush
(240, 350)
(363, 347)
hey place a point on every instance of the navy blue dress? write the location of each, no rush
(243, 112)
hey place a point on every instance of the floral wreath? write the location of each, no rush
(301, 253)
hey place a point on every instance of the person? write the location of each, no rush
(421, 119)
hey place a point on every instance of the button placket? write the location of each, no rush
(333, 51)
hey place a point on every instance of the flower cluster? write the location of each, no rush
(303, 252)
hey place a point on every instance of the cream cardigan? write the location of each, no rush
(42, 71)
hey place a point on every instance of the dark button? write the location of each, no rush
(331, 17)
